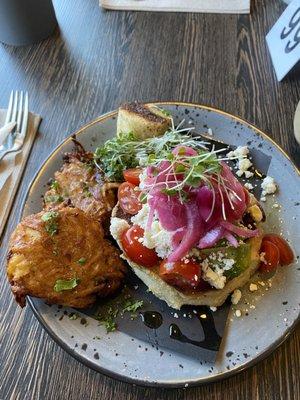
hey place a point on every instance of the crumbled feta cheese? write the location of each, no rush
(248, 186)
(263, 198)
(213, 309)
(248, 174)
(238, 313)
(141, 217)
(156, 238)
(117, 227)
(239, 152)
(175, 315)
(159, 239)
(213, 269)
(275, 205)
(236, 296)
(268, 186)
(253, 287)
(224, 264)
(143, 174)
(228, 263)
(212, 277)
(244, 165)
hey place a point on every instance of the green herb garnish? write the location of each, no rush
(54, 198)
(109, 320)
(86, 190)
(89, 166)
(65, 284)
(127, 151)
(165, 112)
(81, 261)
(73, 316)
(51, 222)
(108, 316)
(132, 306)
(54, 185)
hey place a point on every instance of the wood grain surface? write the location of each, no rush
(97, 61)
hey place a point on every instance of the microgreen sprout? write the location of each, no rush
(128, 151)
(184, 172)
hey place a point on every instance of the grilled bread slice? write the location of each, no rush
(144, 120)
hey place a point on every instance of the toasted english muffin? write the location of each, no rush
(144, 120)
(176, 298)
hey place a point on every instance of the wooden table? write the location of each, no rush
(97, 61)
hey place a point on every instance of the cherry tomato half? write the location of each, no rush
(182, 274)
(128, 196)
(271, 256)
(286, 255)
(135, 250)
(132, 175)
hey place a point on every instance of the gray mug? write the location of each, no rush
(24, 22)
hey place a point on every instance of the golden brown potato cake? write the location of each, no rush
(61, 256)
(79, 183)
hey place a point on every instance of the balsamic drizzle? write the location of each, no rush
(212, 340)
(152, 319)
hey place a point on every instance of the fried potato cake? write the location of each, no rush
(62, 256)
(79, 183)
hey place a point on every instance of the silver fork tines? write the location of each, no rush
(17, 112)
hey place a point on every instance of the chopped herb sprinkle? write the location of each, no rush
(86, 190)
(165, 112)
(51, 222)
(73, 316)
(81, 261)
(109, 320)
(108, 317)
(55, 198)
(65, 284)
(54, 185)
(132, 306)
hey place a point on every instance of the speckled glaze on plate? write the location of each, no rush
(268, 318)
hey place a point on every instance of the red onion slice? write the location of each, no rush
(193, 232)
(211, 237)
(231, 239)
(242, 232)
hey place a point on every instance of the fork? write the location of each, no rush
(17, 112)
